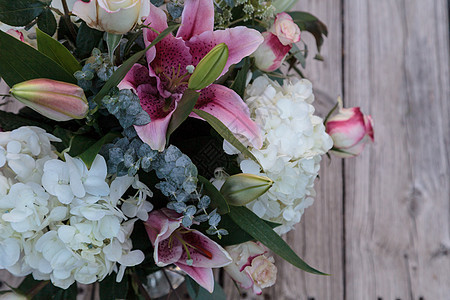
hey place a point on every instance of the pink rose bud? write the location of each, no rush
(251, 268)
(112, 16)
(271, 53)
(350, 131)
(285, 29)
(277, 43)
(17, 34)
(59, 101)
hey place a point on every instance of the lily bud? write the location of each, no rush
(242, 188)
(59, 101)
(209, 68)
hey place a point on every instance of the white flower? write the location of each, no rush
(294, 140)
(137, 206)
(56, 180)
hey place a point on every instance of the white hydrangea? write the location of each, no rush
(294, 140)
(60, 220)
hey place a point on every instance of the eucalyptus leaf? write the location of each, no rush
(47, 22)
(258, 229)
(57, 52)
(217, 199)
(120, 73)
(20, 12)
(184, 108)
(225, 133)
(20, 62)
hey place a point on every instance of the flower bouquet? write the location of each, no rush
(159, 140)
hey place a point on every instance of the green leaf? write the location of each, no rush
(308, 22)
(120, 73)
(89, 155)
(57, 52)
(113, 41)
(20, 62)
(196, 292)
(47, 22)
(184, 108)
(10, 121)
(298, 55)
(258, 229)
(217, 199)
(225, 133)
(110, 289)
(87, 39)
(235, 234)
(44, 290)
(20, 12)
(241, 78)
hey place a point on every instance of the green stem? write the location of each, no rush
(66, 18)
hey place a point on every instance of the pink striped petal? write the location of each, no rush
(224, 104)
(198, 17)
(241, 42)
(157, 20)
(136, 76)
(207, 253)
(203, 276)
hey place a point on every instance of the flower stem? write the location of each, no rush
(66, 18)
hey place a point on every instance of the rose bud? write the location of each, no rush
(112, 16)
(277, 43)
(242, 188)
(59, 101)
(209, 68)
(250, 267)
(350, 131)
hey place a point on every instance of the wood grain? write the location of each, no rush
(319, 236)
(397, 193)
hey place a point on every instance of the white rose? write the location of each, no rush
(113, 16)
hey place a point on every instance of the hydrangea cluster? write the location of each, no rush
(176, 171)
(251, 9)
(294, 140)
(60, 220)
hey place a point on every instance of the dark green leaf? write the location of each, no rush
(89, 155)
(235, 234)
(184, 108)
(20, 62)
(308, 22)
(118, 75)
(10, 121)
(259, 230)
(87, 39)
(44, 290)
(241, 78)
(298, 55)
(47, 22)
(20, 12)
(110, 289)
(56, 51)
(225, 133)
(112, 41)
(217, 199)
(196, 292)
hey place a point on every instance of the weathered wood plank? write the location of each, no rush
(319, 236)
(397, 193)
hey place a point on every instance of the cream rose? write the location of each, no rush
(285, 29)
(251, 268)
(113, 16)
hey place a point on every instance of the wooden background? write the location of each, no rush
(380, 223)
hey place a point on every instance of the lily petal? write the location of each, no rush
(203, 276)
(208, 254)
(136, 76)
(241, 42)
(224, 104)
(197, 17)
(157, 20)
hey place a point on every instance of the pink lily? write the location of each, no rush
(188, 249)
(161, 86)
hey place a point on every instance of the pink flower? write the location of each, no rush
(350, 130)
(277, 43)
(188, 249)
(250, 267)
(17, 34)
(285, 29)
(112, 16)
(160, 86)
